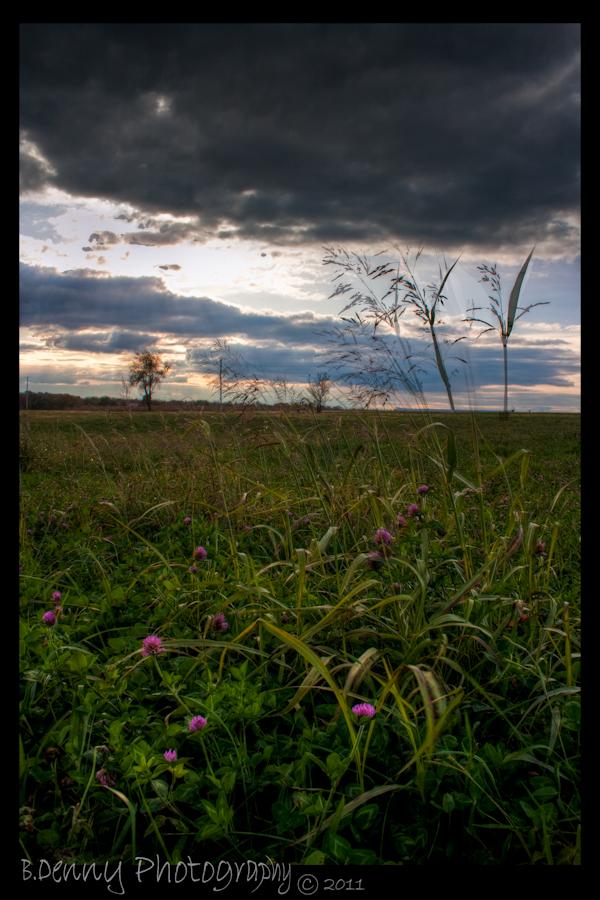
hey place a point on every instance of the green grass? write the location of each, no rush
(457, 634)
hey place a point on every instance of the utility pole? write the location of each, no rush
(221, 385)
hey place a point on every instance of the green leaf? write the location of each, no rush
(161, 788)
(514, 295)
(334, 765)
(185, 793)
(79, 662)
(316, 858)
(365, 858)
(448, 803)
(339, 848)
(48, 838)
(212, 811)
(365, 816)
(117, 644)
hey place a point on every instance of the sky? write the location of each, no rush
(187, 183)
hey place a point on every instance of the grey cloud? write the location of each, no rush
(443, 134)
(169, 234)
(104, 238)
(115, 341)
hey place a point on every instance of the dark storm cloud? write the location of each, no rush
(445, 134)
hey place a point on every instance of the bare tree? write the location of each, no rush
(366, 357)
(146, 371)
(319, 390)
(504, 325)
(125, 391)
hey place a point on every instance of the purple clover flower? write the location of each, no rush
(413, 510)
(540, 549)
(193, 569)
(382, 536)
(187, 520)
(400, 521)
(200, 553)
(197, 723)
(171, 756)
(364, 709)
(423, 489)
(219, 623)
(49, 618)
(103, 778)
(246, 528)
(56, 596)
(151, 645)
(374, 559)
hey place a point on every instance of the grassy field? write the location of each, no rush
(371, 622)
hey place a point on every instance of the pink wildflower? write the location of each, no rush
(374, 559)
(401, 521)
(151, 645)
(200, 553)
(197, 723)
(49, 618)
(364, 709)
(171, 755)
(193, 569)
(413, 510)
(219, 623)
(56, 596)
(103, 777)
(423, 489)
(540, 549)
(187, 520)
(382, 536)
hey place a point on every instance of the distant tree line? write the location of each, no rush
(47, 400)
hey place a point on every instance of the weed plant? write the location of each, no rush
(342, 639)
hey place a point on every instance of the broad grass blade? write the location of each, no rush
(514, 295)
(311, 657)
